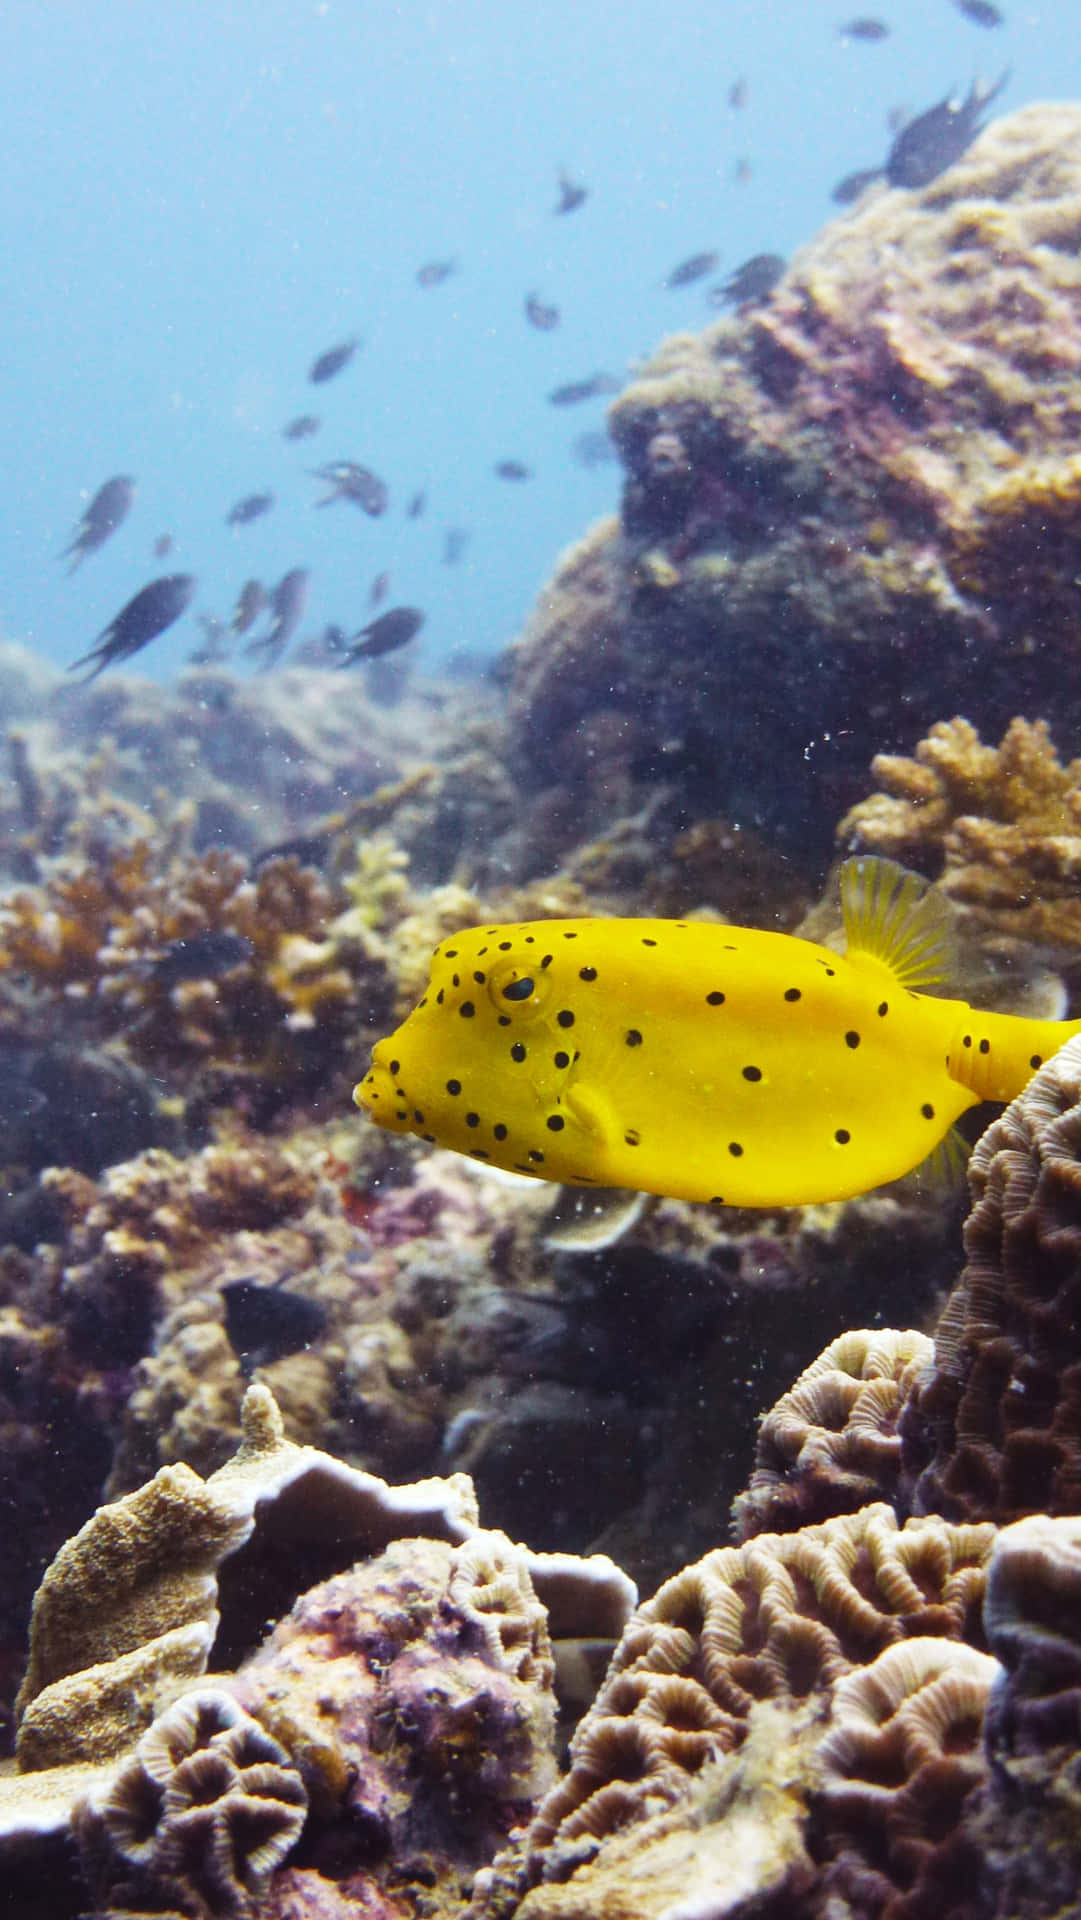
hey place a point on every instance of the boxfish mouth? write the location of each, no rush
(382, 1097)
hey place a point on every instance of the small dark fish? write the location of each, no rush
(302, 427)
(347, 481)
(378, 590)
(513, 470)
(576, 391)
(163, 546)
(252, 507)
(455, 542)
(107, 509)
(572, 194)
(332, 362)
(754, 279)
(865, 28)
(385, 635)
(309, 848)
(205, 956)
(594, 449)
(688, 271)
(287, 604)
(543, 317)
(434, 272)
(152, 609)
(849, 190)
(737, 94)
(266, 1322)
(250, 603)
(416, 506)
(936, 139)
(742, 172)
(981, 12)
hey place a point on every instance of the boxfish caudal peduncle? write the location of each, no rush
(704, 1062)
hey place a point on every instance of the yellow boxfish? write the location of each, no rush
(706, 1062)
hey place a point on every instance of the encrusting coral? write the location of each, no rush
(130, 1607)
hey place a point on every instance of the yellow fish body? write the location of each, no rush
(706, 1062)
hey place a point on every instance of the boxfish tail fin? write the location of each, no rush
(897, 917)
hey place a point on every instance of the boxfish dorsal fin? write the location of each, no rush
(896, 916)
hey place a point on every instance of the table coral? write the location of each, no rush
(998, 827)
(862, 490)
(996, 1428)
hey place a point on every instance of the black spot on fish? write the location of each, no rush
(499, 1130)
(883, 1008)
(561, 1059)
(752, 1073)
(633, 1037)
(467, 1009)
(927, 1110)
(565, 1018)
(454, 1086)
(648, 943)
(842, 1136)
(793, 993)
(587, 973)
(715, 999)
(735, 1149)
(517, 1052)
(1036, 1060)
(632, 1137)
(852, 1038)
(472, 1119)
(985, 1046)
(556, 1123)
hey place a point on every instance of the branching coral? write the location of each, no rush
(999, 826)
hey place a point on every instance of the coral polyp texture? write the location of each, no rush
(830, 1445)
(837, 510)
(774, 1624)
(996, 1428)
(201, 1814)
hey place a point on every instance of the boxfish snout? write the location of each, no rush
(381, 1094)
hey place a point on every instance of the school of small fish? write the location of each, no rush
(922, 146)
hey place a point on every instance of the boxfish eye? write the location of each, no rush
(519, 988)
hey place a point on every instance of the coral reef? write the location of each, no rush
(848, 486)
(1029, 1829)
(415, 1695)
(198, 1818)
(996, 1427)
(998, 827)
(830, 1445)
(131, 1606)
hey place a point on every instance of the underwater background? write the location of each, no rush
(473, 468)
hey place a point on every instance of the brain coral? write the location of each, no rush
(848, 509)
(996, 1427)
(782, 1618)
(830, 1444)
(197, 1819)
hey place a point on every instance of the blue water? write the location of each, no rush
(197, 199)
